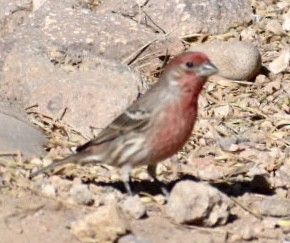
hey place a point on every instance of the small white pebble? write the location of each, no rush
(48, 190)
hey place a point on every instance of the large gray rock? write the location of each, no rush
(92, 91)
(111, 36)
(184, 17)
(18, 135)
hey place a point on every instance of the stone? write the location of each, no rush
(130, 238)
(184, 17)
(275, 207)
(133, 207)
(17, 134)
(198, 204)
(281, 63)
(81, 194)
(48, 190)
(13, 14)
(106, 224)
(91, 95)
(237, 60)
(286, 23)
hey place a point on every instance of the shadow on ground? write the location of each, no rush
(258, 184)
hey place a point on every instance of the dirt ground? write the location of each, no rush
(240, 145)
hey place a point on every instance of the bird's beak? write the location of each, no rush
(207, 69)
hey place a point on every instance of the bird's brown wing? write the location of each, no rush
(132, 119)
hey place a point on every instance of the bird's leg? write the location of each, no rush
(125, 175)
(175, 166)
(151, 169)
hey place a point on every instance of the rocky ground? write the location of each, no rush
(231, 181)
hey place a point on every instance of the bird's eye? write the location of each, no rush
(189, 64)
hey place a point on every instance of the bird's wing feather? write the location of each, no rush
(134, 118)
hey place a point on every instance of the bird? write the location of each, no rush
(155, 126)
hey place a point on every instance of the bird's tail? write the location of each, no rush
(80, 158)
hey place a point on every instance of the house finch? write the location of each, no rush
(153, 128)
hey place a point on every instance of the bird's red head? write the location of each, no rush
(190, 62)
